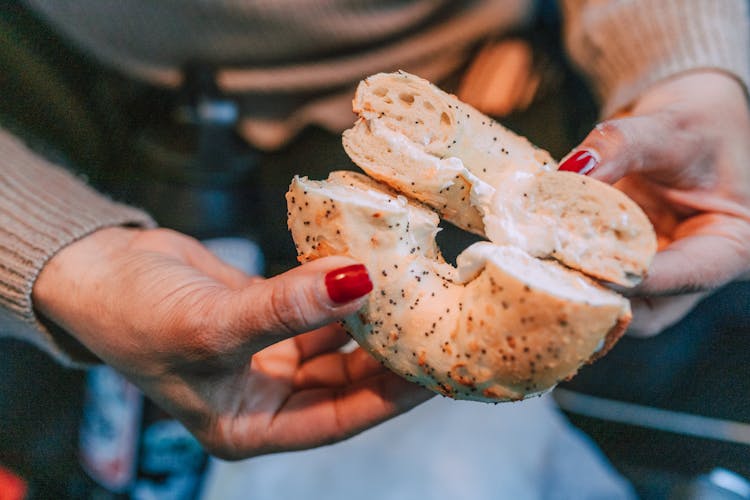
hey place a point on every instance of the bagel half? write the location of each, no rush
(500, 326)
(484, 178)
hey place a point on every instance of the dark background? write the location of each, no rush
(63, 103)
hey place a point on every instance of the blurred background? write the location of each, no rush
(665, 412)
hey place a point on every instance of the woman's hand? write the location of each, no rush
(222, 351)
(682, 151)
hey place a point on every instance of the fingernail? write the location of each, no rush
(348, 283)
(581, 162)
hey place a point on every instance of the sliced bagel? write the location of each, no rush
(500, 326)
(484, 178)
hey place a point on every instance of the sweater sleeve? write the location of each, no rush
(625, 46)
(43, 208)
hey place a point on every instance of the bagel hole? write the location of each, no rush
(452, 241)
(380, 91)
(445, 119)
(428, 106)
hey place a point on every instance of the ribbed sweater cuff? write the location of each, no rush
(624, 47)
(43, 208)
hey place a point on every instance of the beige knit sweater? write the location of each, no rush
(273, 50)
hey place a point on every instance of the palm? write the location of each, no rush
(304, 392)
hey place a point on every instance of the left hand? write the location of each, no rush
(250, 366)
(682, 151)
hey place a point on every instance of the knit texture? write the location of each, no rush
(626, 46)
(288, 63)
(269, 45)
(42, 209)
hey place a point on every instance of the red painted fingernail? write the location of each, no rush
(348, 283)
(581, 162)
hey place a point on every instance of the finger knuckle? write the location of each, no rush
(286, 310)
(613, 132)
(614, 140)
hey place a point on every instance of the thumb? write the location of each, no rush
(302, 299)
(634, 144)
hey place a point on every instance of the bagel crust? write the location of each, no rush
(501, 326)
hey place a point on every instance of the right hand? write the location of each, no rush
(682, 152)
(221, 351)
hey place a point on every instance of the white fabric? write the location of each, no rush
(443, 449)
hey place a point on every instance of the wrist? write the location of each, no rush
(60, 282)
